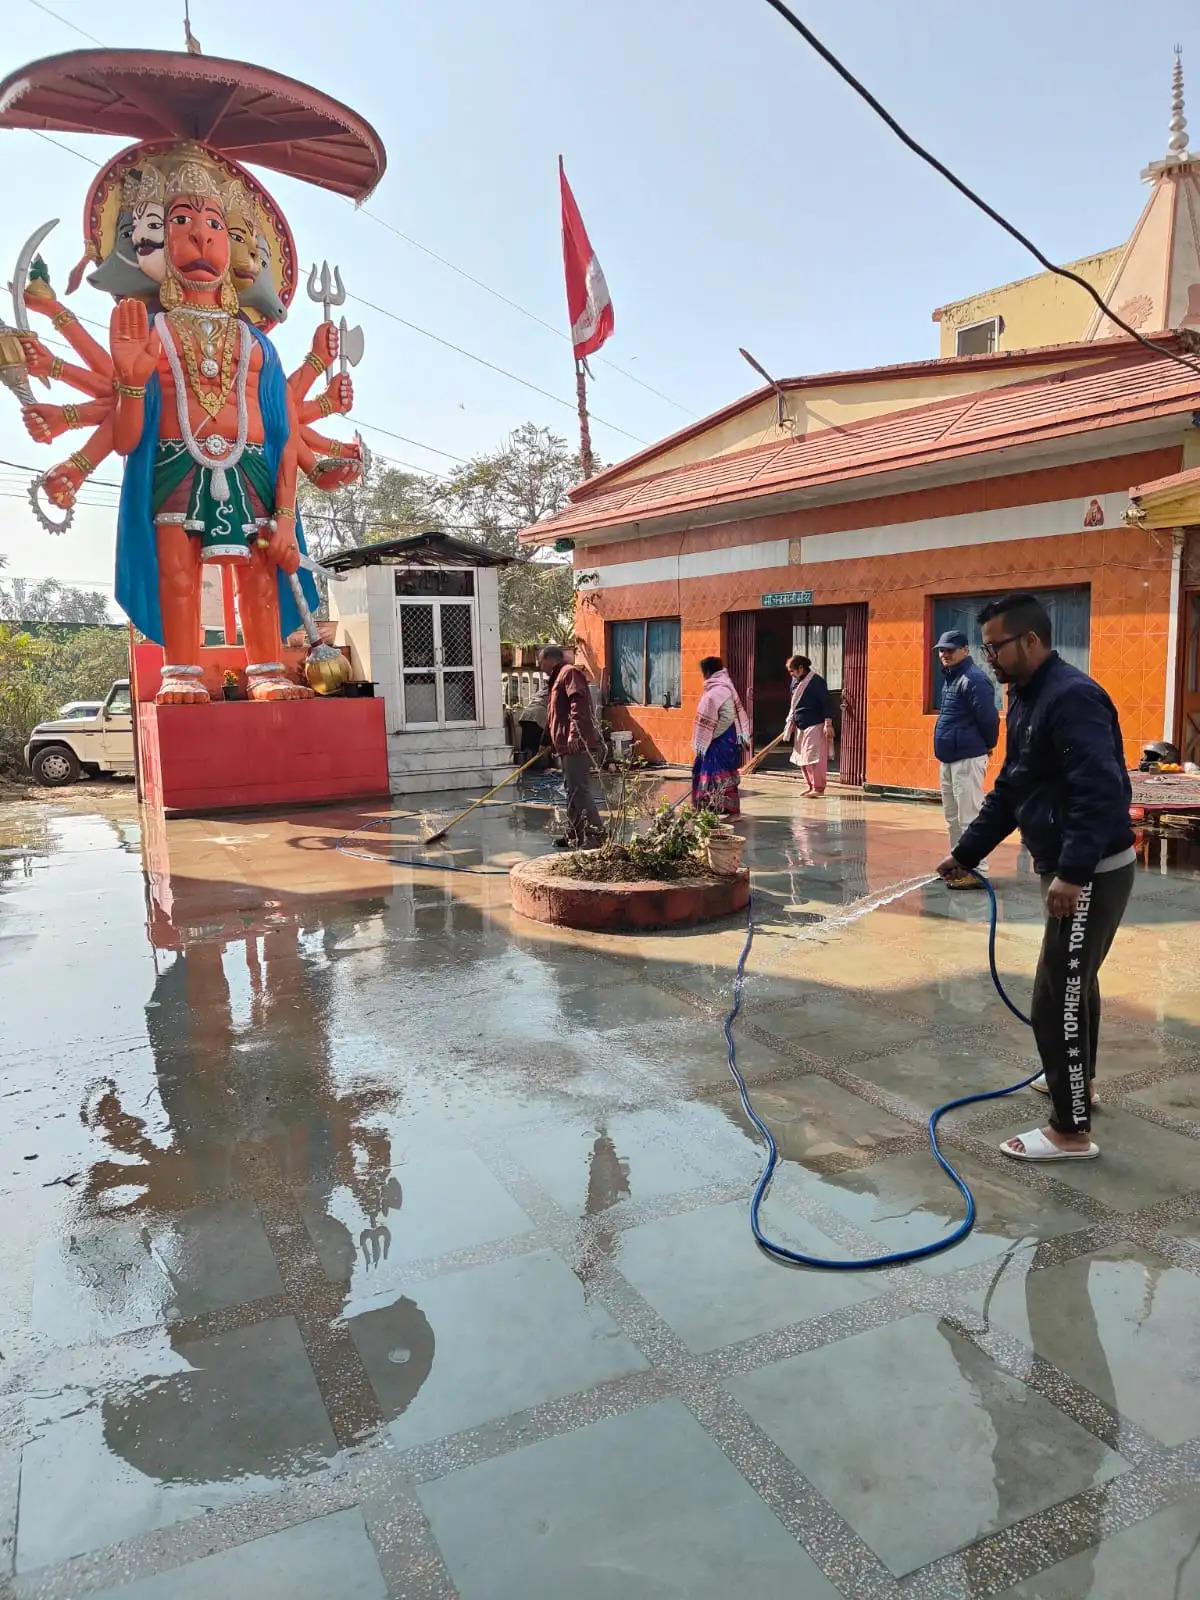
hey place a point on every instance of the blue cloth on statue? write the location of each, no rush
(715, 775)
(137, 546)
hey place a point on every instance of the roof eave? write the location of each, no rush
(422, 549)
(1076, 350)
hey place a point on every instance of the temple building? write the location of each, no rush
(855, 515)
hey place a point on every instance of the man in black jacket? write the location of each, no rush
(1065, 786)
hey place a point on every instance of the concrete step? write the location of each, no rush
(459, 779)
(447, 739)
(403, 758)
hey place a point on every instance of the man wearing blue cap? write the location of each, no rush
(966, 732)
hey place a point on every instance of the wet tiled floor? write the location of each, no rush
(361, 1240)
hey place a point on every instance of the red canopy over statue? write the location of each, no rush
(240, 110)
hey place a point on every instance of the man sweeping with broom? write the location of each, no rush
(572, 734)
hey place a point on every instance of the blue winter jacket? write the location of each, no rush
(968, 723)
(1063, 783)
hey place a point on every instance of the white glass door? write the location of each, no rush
(822, 643)
(438, 668)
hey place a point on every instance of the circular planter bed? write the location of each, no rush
(545, 894)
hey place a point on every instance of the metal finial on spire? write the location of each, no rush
(1177, 144)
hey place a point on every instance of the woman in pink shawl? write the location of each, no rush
(721, 729)
(809, 725)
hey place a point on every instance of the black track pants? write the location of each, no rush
(1066, 994)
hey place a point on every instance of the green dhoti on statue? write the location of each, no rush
(226, 523)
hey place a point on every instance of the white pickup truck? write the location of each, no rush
(84, 737)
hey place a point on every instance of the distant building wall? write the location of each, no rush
(899, 553)
(1037, 311)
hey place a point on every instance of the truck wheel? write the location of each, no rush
(55, 765)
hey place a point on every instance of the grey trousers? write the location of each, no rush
(1066, 994)
(583, 816)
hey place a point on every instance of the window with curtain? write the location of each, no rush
(1070, 612)
(644, 663)
(627, 663)
(663, 672)
(822, 643)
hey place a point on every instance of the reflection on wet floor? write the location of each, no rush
(346, 1212)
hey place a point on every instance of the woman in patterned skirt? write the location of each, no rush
(720, 731)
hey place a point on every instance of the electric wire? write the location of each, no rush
(448, 344)
(603, 361)
(965, 190)
(400, 234)
(381, 310)
(67, 23)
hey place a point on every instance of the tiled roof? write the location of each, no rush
(1132, 385)
(934, 366)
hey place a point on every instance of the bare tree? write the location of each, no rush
(49, 600)
(487, 501)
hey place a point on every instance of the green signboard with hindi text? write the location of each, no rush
(789, 597)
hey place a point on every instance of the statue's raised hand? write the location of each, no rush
(62, 483)
(37, 357)
(134, 344)
(325, 344)
(44, 423)
(330, 475)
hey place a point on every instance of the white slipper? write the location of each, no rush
(1039, 1148)
(1042, 1087)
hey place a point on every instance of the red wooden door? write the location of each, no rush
(854, 698)
(1189, 700)
(740, 630)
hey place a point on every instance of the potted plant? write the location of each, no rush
(674, 846)
(231, 687)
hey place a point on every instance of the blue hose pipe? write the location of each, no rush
(893, 1258)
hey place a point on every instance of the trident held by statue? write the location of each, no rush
(327, 290)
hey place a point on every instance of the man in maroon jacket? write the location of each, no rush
(571, 731)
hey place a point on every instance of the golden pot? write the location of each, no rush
(326, 670)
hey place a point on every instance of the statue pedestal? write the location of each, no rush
(237, 755)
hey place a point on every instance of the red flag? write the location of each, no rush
(588, 304)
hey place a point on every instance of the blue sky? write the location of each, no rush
(736, 192)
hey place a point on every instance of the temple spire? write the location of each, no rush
(1156, 282)
(1177, 144)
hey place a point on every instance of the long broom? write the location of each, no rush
(454, 821)
(761, 756)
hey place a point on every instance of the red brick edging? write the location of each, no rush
(544, 896)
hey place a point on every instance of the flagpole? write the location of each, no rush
(585, 432)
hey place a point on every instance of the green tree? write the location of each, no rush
(491, 498)
(384, 504)
(24, 698)
(82, 665)
(38, 674)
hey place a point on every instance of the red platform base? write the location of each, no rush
(236, 755)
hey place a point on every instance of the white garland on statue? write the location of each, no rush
(218, 468)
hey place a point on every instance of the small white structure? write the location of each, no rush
(422, 619)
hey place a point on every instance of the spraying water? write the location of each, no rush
(837, 921)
